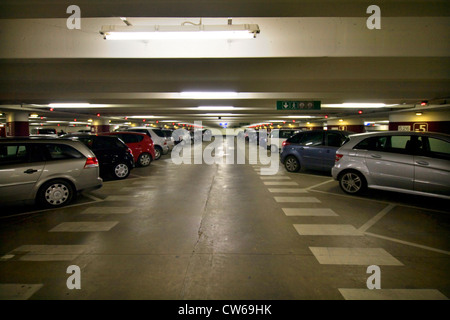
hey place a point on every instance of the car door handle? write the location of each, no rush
(30, 171)
(423, 163)
(376, 156)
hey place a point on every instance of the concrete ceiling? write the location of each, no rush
(307, 50)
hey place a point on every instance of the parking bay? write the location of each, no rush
(226, 232)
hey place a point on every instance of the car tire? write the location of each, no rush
(292, 164)
(144, 159)
(158, 153)
(121, 171)
(55, 193)
(352, 182)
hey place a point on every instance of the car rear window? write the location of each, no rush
(167, 133)
(62, 151)
(335, 139)
(130, 138)
(296, 138)
(140, 131)
(107, 143)
(286, 134)
(159, 133)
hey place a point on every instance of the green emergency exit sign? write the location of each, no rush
(298, 105)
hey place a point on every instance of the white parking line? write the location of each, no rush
(309, 212)
(407, 243)
(18, 291)
(84, 226)
(319, 184)
(392, 294)
(108, 210)
(123, 197)
(297, 199)
(327, 230)
(376, 218)
(287, 190)
(354, 256)
(49, 252)
(275, 178)
(280, 183)
(49, 209)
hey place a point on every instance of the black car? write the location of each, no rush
(114, 157)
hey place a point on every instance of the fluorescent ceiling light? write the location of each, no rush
(358, 105)
(208, 94)
(301, 117)
(69, 105)
(140, 117)
(219, 114)
(188, 32)
(215, 107)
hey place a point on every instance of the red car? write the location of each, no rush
(140, 144)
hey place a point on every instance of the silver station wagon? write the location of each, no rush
(410, 162)
(48, 171)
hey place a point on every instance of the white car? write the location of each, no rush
(170, 140)
(409, 162)
(160, 141)
(276, 143)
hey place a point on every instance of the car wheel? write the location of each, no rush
(292, 164)
(121, 171)
(55, 193)
(352, 182)
(158, 152)
(144, 160)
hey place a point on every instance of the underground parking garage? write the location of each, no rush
(256, 151)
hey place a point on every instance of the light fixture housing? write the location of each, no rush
(215, 108)
(185, 32)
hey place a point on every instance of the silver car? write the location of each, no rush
(49, 171)
(409, 162)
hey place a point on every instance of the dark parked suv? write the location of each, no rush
(314, 149)
(113, 155)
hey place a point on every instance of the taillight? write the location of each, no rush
(338, 157)
(130, 152)
(91, 163)
(285, 143)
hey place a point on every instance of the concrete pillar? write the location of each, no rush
(17, 124)
(433, 121)
(353, 125)
(100, 125)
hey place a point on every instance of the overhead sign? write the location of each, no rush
(298, 105)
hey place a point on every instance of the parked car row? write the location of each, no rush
(409, 162)
(51, 171)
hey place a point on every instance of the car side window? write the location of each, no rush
(62, 152)
(312, 139)
(392, 144)
(12, 154)
(438, 148)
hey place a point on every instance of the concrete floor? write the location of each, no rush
(226, 232)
